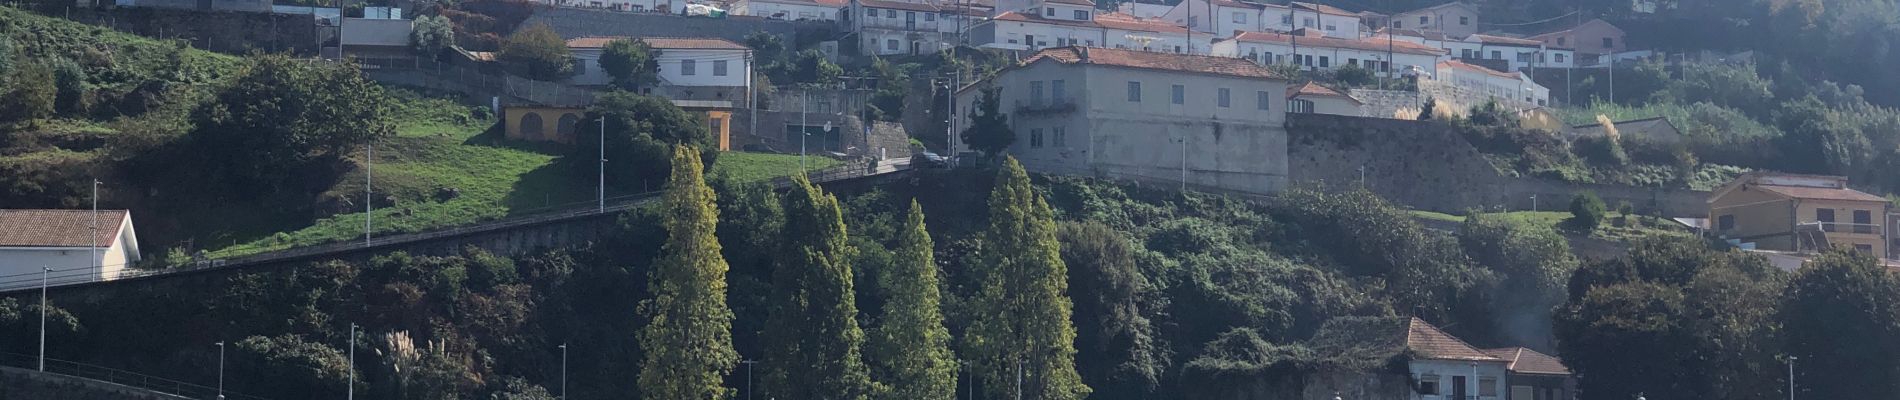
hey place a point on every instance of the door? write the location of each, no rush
(1030, 40)
(1458, 388)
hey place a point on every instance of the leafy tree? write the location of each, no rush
(631, 62)
(29, 93)
(770, 57)
(1228, 365)
(69, 82)
(1353, 75)
(893, 85)
(1362, 235)
(1025, 331)
(814, 69)
(814, 342)
(1533, 263)
(911, 345)
(290, 364)
(688, 340)
(8, 61)
(1425, 112)
(1119, 351)
(1814, 140)
(641, 132)
(1586, 211)
(280, 118)
(989, 130)
(1627, 339)
(537, 52)
(431, 35)
(1491, 114)
(437, 374)
(1841, 315)
(750, 220)
(514, 388)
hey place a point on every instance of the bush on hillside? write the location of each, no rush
(641, 131)
(282, 118)
(1586, 211)
(537, 52)
(29, 95)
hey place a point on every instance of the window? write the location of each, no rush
(870, 12)
(1497, 55)
(890, 44)
(890, 13)
(1609, 43)
(1055, 91)
(719, 67)
(1331, 27)
(910, 16)
(1523, 57)
(1134, 92)
(1560, 57)
(1398, 24)
(1049, 12)
(1354, 62)
(1300, 106)
(1221, 98)
(1826, 217)
(1428, 386)
(1263, 100)
(1081, 15)
(1035, 138)
(1863, 221)
(1089, 43)
(930, 17)
(1462, 20)
(1035, 93)
(1306, 22)
(1287, 19)
(1424, 20)
(1180, 94)
(1061, 135)
(1194, 21)
(1240, 18)
(1487, 386)
(1725, 222)
(1467, 53)
(687, 67)
(1325, 62)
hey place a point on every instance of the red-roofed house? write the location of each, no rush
(1311, 98)
(1789, 212)
(888, 27)
(1534, 375)
(1128, 114)
(710, 69)
(1511, 89)
(67, 242)
(1315, 52)
(1447, 368)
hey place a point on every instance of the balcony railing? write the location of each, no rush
(1845, 227)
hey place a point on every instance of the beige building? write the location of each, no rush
(1788, 212)
(1206, 120)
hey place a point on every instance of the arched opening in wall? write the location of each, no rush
(566, 128)
(531, 126)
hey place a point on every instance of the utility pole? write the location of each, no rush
(97, 264)
(1184, 162)
(748, 377)
(220, 370)
(563, 371)
(601, 193)
(1791, 377)
(43, 272)
(352, 363)
(369, 169)
(1533, 202)
(804, 119)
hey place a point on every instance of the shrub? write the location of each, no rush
(1586, 211)
(30, 94)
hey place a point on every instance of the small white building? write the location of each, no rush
(690, 68)
(1129, 114)
(67, 242)
(1334, 21)
(1510, 89)
(1315, 52)
(1454, 18)
(1446, 368)
(1518, 53)
(1311, 98)
(1123, 31)
(639, 6)
(1221, 19)
(790, 10)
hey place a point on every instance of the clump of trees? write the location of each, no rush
(632, 64)
(989, 130)
(281, 121)
(536, 51)
(431, 34)
(641, 132)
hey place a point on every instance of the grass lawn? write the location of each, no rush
(440, 148)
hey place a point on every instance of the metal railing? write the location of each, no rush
(1846, 227)
(90, 274)
(119, 377)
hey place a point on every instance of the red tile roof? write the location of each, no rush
(1123, 21)
(898, 5)
(1428, 342)
(1370, 44)
(1324, 9)
(1527, 361)
(1013, 16)
(595, 42)
(1240, 4)
(1501, 40)
(58, 228)
(1315, 89)
(1455, 64)
(1156, 61)
(1818, 193)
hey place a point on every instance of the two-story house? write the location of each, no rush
(1509, 53)
(1510, 89)
(710, 69)
(1534, 375)
(1313, 51)
(896, 27)
(1334, 21)
(1220, 19)
(1800, 213)
(1454, 18)
(1129, 114)
(1436, 365)
(1593, 41)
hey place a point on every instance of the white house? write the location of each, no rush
(790, 10)
(1511, 89)
(1222, 18)
(1129, 114)
(1144, 10)
(1334, 21)
(1454, 18)
(1446, 368)
(1123, 31)
(1311, 98)
(68, 241)
(690, 68)
(1314, 52)
(1518, 53)
(895, 27)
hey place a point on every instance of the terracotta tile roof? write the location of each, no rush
(1439, 36)
(1818, 187)
(1123, 21)
(58, 228)
(1427, 342)
(1815, 193)
(1090, 3)
(898, 5)
(1013, 16)
(1370, 44)
(1455, 64)
(1154, 60)
(1527, 361)
(595, 42)
(1315, 89)
(1501, 40)
(1324, 9)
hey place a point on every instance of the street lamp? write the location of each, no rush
(1791, 376)
(97, 264)
(601, 194)
(748, 377)
(351, 394)
(43, 272)
(220, 370)
(563, 371)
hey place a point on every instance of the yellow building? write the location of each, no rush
(558, 124)
(1788, 212)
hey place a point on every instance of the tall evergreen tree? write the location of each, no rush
(688, 341)
(813, 340)
(911, 347)
(1022, 340)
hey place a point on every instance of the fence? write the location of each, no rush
(120, 377)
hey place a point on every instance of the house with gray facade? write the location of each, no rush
(1127, 114)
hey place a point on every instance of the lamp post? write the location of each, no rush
(600, 193)
(804, 119)
(563, 371)
(748, 377)
(43, 272)
(1791, 377)
(369, 165)
(96, 262)
(220, 369)
(351, 394)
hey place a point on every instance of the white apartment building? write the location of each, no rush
(1208, 120)
(895, 27)
(1221, 18)
(1314, 52)
(1455, 19)
(1332, 20)
(1518, 53)
(690, 68)
(1511, 89)
(790, 10)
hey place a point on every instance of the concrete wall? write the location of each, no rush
(574, 22)
(229, 32)
(16, 383)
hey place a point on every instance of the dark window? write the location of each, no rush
(1863, 221)
(1035, 138)
(870, 12)
(1464, 20)
(1134, 92)
(1725, 223)
(1081, 15)
(1609, 43)
(1826, 217)
(930, 17)
(1428, 387)
(1223, 98)
(719, 67)
(687, 67)
(1265, 100)
(1050, 12)
(1325, 62)
(1180, 94)
(1422, 20)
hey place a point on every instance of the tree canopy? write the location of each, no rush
(641, 132)
(538, 52)
(280, 117)
(989, 130)
(1027, 331)
(688, 337)
(631, 62)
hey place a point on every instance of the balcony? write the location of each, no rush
(1845, 227)
(1045, 107)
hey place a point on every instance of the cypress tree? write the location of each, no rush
(911, 346)
(688, 341)
(812, 337)
(1022, 339)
